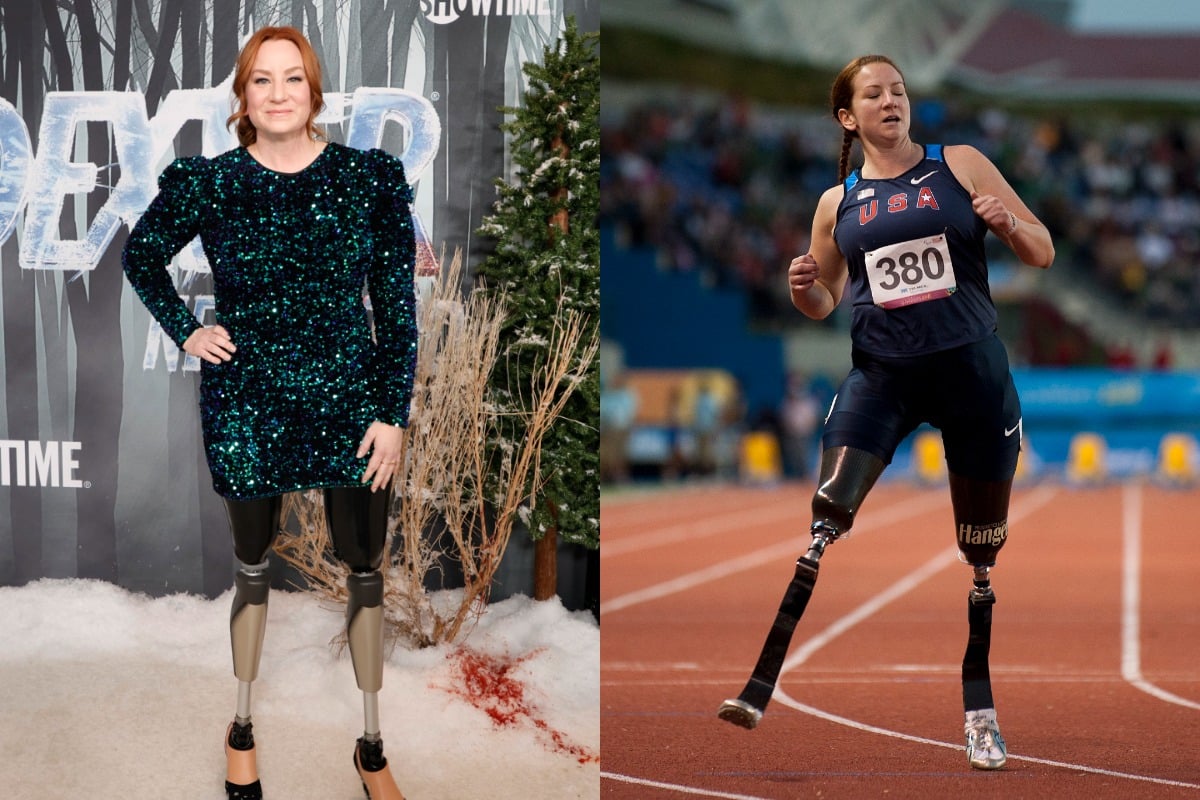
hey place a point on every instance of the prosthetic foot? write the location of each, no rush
(247, 624)
(985, 745)
(241, 782)
(373, 769)
(364, 626)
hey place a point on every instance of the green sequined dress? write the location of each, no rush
(290, 256)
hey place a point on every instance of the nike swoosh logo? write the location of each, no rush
(1010, 431)
(915, 181)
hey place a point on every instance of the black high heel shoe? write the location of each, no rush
(372, 768)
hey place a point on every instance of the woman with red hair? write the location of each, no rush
(301, 388)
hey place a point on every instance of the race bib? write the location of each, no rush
(911, 272)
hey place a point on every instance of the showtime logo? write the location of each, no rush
(25, 463)
(443, 12)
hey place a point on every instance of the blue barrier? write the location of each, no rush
(1108, 397)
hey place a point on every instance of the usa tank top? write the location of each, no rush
(918, 278)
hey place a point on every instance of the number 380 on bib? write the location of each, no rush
(911, 272)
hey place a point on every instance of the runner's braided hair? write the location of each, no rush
(840, 96)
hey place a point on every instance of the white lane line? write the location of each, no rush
(786, 509)
(792, 547)
(656, 507)
(693, 579)
(1131, 592)
(721, 523)
(677, 788)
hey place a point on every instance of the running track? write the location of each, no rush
(1095, 646)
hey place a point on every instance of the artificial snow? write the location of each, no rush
(109, 694)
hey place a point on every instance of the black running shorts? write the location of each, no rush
(966, 392)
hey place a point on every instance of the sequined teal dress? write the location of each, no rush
(290, 256)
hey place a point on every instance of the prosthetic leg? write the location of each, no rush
(358, 525)
(364, 626)
(847, 475)
(247, 624)
(254, 525)
(978, 545)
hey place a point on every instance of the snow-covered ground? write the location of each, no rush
(107, 695)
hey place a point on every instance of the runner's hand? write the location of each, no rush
(993, 212)
(802, 273)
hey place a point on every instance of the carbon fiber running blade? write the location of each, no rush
(748, 708)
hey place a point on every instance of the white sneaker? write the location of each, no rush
(985, 745)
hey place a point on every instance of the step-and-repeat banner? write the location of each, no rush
(102, 472)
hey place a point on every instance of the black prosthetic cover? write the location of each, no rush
(357, 520)
(976, 678)
(254, 524)
(847, 474)
(980, 517)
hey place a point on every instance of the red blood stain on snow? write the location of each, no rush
(487, 682)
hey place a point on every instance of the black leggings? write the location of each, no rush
(357, 519)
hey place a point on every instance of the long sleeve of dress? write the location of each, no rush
(169, 223)
(390, 284)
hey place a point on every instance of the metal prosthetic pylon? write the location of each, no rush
(247, 625)
(364, 630)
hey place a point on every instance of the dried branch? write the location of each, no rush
(441, 512)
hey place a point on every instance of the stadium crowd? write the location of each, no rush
(723, 187)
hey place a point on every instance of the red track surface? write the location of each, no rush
(1095, 655)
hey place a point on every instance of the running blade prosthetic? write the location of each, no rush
(747, 709)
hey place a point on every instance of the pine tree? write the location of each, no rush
(547, 263)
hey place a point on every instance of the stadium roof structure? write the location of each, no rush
(995, 46)
(1021, 52)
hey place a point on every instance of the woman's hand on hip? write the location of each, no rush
(212, 344)
(384, 443)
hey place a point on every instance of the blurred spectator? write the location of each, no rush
(618, 407)
(707, 422)
(677, 464)
(800, 419)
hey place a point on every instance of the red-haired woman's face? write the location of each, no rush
(278, 97)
